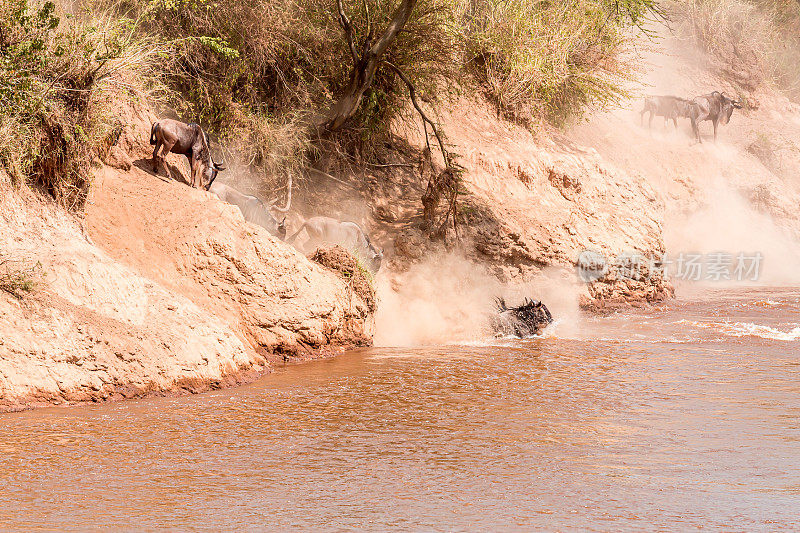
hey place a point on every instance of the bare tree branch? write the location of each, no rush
(412, 91)
(370, 33)
(445, 182)
(366, 65)
(348, 31)
(288, 198)
(399, 20)
(326, 175)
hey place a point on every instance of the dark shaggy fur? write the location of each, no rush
(523, 320)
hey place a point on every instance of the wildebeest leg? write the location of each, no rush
(675, 120)
(155, 156)
(715, 130)
(166, 149)
(650, 122)
(696, 131)
(193, 169)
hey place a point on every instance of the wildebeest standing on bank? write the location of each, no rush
(346, 234)
(253, 210)
(523, 320)
(669, 107)
(189, 140)
(715, 107)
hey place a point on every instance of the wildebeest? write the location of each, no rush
(346, 234)
(669, 107)
(523, 320)
(715, 107)
(189, 140)
(253, 210)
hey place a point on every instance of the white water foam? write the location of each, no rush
(744, 329)
(511, 340)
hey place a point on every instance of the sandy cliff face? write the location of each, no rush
(530, 205)
(540, 201)
(194, 244)
(96, 328)
(171, 291)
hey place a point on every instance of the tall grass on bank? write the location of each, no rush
(235, 64)
(755, 41)
(53, 71)
(553, 59)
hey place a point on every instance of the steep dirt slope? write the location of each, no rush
(195, 245)
(95, 328)
(168, 291)
(530, 204)
(545, 200)
(533, 203)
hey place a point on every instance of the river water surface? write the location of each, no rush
(670, 419)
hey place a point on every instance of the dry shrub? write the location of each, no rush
(266, 151)
(249, 70)
(18, 279)
(273, 57)
(754, 41)
(258, 75)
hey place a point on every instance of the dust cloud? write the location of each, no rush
(729, 224)
(449, 299)
(706, 188)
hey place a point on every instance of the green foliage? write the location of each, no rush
(232, 62)
(231, 59)
(51, 70)
(257, 72)
(24, 49)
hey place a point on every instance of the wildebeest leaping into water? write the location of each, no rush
(523, 320)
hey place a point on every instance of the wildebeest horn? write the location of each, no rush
(220, 166)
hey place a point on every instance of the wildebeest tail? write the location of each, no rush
(501, 304)
(153, 130)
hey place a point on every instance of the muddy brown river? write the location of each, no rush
(672, 419)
